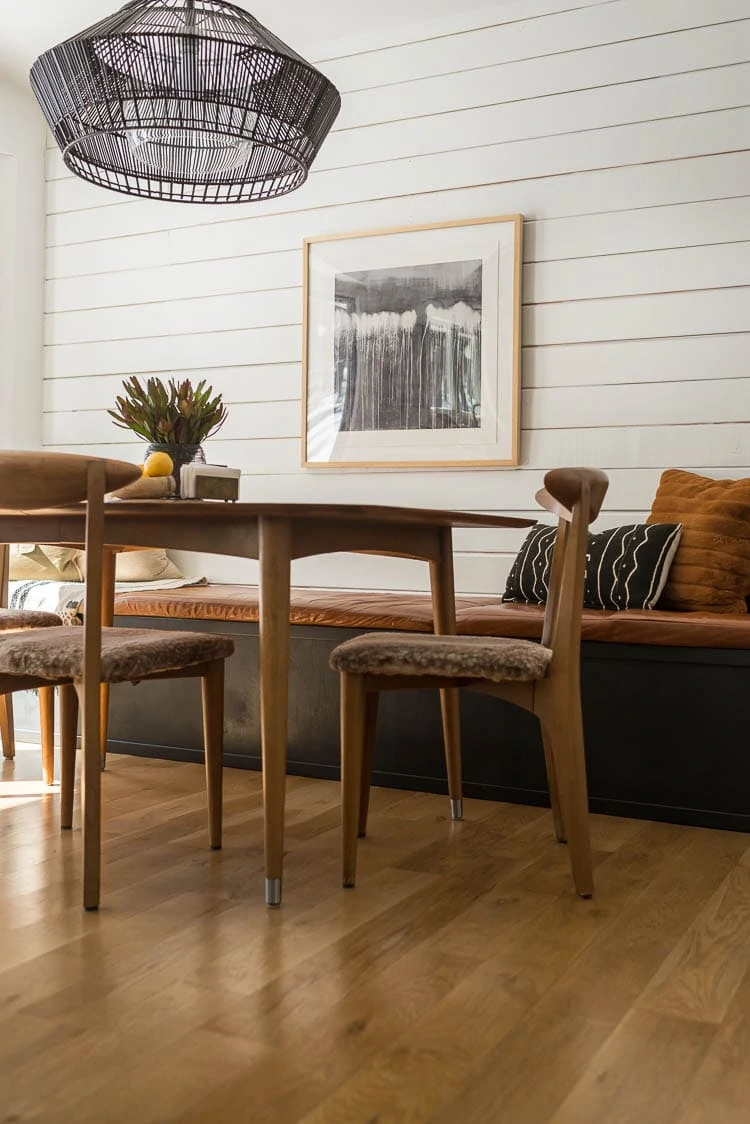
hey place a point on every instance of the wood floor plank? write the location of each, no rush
(461, 981)
(681, 870)
(700, 977)
(315, 1057)
(719, 1090)
(641, 1072)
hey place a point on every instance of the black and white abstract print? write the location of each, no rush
(408, 347)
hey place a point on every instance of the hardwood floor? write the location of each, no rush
(460, 982)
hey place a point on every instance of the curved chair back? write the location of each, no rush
(30, 480)
(36, 480)
(575, 495)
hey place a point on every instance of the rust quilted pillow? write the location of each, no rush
(711, 570)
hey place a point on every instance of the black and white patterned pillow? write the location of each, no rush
(626, 567)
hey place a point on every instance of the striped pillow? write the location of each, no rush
(626, 567)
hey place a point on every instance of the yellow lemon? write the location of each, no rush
(158, 464)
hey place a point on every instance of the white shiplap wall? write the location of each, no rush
(21, 266)
(619, 129)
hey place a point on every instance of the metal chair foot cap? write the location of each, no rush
(457, 808)
(347, 885)
(216, 846)
(362, 835)
(273, 893)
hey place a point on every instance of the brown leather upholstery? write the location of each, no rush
(412, 612)
(342, 608)
(127, 653)
(630, 626)
(27, 618)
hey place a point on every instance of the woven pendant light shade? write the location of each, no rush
(192, 101)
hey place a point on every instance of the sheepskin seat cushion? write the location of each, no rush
(27, 618)
(470, 657)
(127, 653)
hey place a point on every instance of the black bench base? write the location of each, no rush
(665, 728)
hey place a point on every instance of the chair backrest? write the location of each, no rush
(30, 481)
(575, 496)
(36, 480)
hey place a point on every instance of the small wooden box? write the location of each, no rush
(217, 488)
(209, 482)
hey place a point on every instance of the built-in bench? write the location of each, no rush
(412, 612)
(666, 701)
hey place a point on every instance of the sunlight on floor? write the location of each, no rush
(20, 777)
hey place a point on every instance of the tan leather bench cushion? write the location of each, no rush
(630, 626)
(412, 612)
(402, 611)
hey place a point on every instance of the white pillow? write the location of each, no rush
(29, 562)
(138, 566)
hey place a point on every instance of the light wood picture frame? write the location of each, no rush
(412, 346)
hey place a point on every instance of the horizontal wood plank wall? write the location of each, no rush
(619, 129)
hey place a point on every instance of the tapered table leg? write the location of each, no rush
(108, 617)
(7, 732)
(275, 540)
(444, 616)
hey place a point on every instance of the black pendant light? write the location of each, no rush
(188, 100)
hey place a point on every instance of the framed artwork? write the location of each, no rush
(412, 346)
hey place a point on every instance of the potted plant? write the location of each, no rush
(175, 418)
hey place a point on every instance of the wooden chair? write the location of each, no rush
(79, 660)
(543, 678)
(11, 619)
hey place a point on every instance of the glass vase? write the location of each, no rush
(180, 455)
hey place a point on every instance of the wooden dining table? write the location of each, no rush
(275, 534)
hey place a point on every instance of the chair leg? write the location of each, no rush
(47, 726)
(92, 796)
(368, 755)
(565, 731)
(449, 706)
(352, 748)
(109, 559)
(554, 794)
(7, 732)
(444, 614)
(212, 690)
(104, 729)
(68, 732)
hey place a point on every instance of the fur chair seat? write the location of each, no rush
(127, 653)
(27, 618)
(470, 657)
